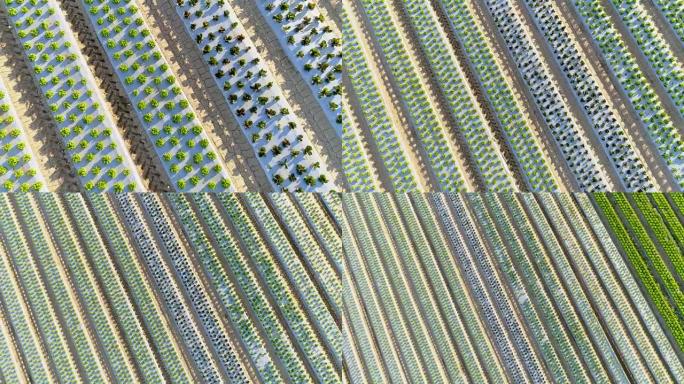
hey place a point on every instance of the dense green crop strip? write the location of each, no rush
(660, 232)
(678, 204)
(670, 218)
(656, 262)
(640, 267)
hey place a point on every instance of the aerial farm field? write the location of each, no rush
(170, 95)
(508, 95)
(170, 288)
(497, 288)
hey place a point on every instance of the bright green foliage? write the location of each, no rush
(648, 265)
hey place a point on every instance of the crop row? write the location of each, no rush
(432, 134)
(44, 310)
(168, 290)
(517, 285)
(500, 338)
(226, 289)
(474, 128)
(384, 312)
(91, 139)
(546, 93)
(276, 281)
(379, 123)
(519, 132)
(102, 288)
(139, 287)
(490, 276)
(623, 64)
(93, 302)
(671, 10)
(629, 281)
(408, 261)
(122, 307)
(536, 268)
(621, 152)
(187, 154)
(651, 43)
(354, 159)
(15, 299)
(632, 318)
(18, 167)
(323, 226)
(312, 46)
(195, 290)
(275, 330)
(628, 232)
(554, 296)
(606, 302)
(283, 148)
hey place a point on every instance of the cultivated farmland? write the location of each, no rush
(504, 95)
(450, 288)
(171, 95)
(157, 288)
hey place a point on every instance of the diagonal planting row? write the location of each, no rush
(518, 288)
(441, 272)
(186, 152)
(64, 303)
(463, 77)
(105, 330)
(223, 348)
(661, 58)
(564, 128)
(275, 274)
(380, 125)
(227, 291)
(380, 302)
(93, 141)
(283, 148)
(672, 9)
(18, 167)
(639, 225)
(452, 366)
(170, 288)
(477, 133)
(632, 80)
(115, 290)
(10, 369)
(596, 296)
(355, 162)
(553, 293)
(534, 278)
(16, 301)
(90, 138)
(481, 58)
(312, 45)
(132, 271)
(431, 133)
(612, 135)
(170, 292)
